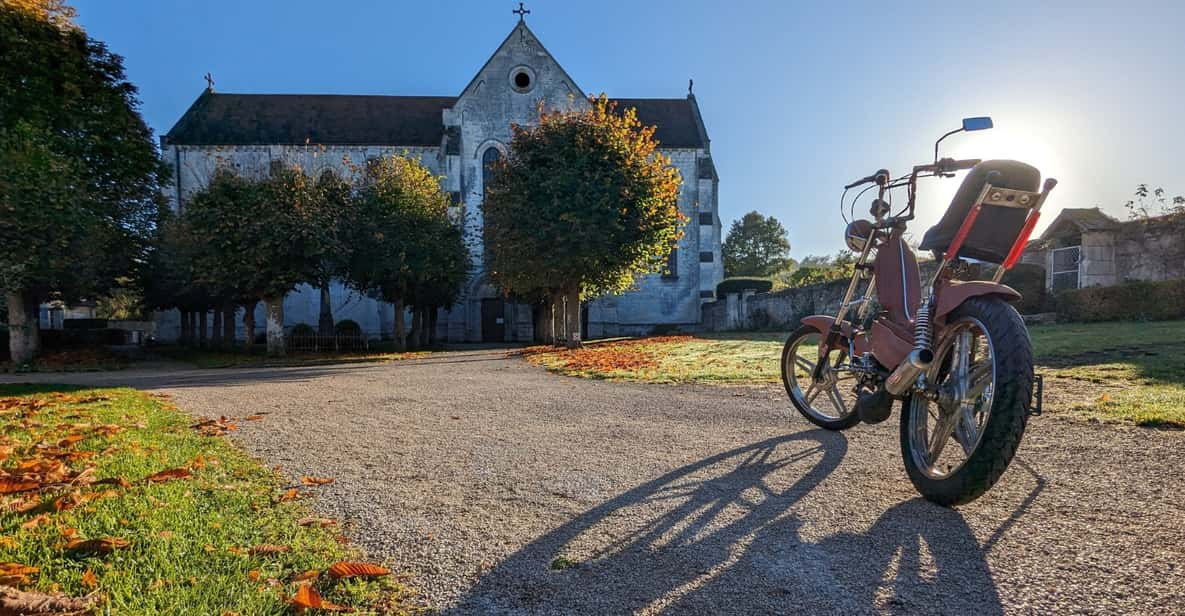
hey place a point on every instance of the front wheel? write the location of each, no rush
(958, 437)
(828, 402)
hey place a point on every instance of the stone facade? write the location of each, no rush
(469, 130)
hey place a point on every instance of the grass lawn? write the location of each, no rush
(85, 511)
(1110, 371)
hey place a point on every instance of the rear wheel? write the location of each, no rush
(958, 438)
(828, 402)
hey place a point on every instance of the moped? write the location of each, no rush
(955, 353)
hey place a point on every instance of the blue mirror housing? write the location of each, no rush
(983, 123)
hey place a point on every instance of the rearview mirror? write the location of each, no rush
(983, 123)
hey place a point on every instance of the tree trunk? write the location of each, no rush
(216, 334)
(228, 326)
(433, 317)
(203, 322)
(24, 328)
(556, 309)
(275, 326)
(400, 327)
(572, 318)
(249, 325)
(413, 341)
(325, 322)
(542, 314)
(184, 340)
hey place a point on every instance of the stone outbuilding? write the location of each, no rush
(457, 137)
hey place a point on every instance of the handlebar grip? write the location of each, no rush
(965, 163)
(863, 180)
(880, 177)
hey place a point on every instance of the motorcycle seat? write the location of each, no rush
(996, 228)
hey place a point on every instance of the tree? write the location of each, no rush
(582, 206)
(757, 246)
(1146, 198)
(815, 269)
(79, 174)
(402, 246)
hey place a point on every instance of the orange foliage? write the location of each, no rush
(350, 570)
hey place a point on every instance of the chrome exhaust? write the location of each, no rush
(919, 359)
(904, 377)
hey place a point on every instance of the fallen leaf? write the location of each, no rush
(1106, 397)
(118, 481)
(316, 481)
(291, 494)
(17, 569)
(14, 580)
(12, 485)
(253, 575)
(168, 475)
(36, 521)
(308, 598)
(269, 548)
(350, 570)
(106, 545)
(255, 417)
(307, 576)
(89, 579)
(14, 601)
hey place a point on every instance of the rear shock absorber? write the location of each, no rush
(918, 360)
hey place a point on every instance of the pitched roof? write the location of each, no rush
(329, 119)
(335, 119)
(675, 118)
(1086, 219)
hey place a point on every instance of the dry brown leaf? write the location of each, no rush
(168, 475)
(36, 521)
(17, 569)
(253, 575)
(316, 481)
(255, 417)
(349, 570)
(89, 579)
(311, 520)
(86, 477)
(70, 440)
(307, 576)
(12, 485)
(117, 481)
(308, 598)
(269, 548)
(14, 601)
(6, 451)
(15, 580)
(106, 545)
(291, 494)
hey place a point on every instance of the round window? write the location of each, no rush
(522, 79)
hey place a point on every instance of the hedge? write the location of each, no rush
(1029, 281)
(1132, 301)
(736, 285)
(347, 327)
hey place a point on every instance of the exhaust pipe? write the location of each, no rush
(903, 378)
(918, 360)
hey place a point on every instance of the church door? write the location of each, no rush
(493, 320)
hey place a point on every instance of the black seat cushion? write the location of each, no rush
(996, 228)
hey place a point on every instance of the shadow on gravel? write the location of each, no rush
(719, 537)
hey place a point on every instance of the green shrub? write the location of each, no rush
(347, 327)
(1029, 280)
(737, 285)
(302, 329)
(1133, 301)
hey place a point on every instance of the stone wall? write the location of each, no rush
(778, 310)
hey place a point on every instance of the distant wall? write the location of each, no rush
(775, 310)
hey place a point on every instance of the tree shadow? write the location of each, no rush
(719, 537)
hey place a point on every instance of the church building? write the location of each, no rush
(457, 137)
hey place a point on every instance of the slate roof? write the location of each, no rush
(1086, 219)
(336, 119)
(327, 119)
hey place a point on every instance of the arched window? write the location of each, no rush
(491, 156)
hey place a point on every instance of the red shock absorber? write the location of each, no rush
(1021, 240)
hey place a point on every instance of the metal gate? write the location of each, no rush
(1067, 265)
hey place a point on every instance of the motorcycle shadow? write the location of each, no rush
(718, 536)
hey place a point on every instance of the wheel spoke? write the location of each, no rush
(837, 399)
(966, 432)
(942, 431)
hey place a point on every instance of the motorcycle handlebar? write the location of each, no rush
(880, 177)
(947, 165)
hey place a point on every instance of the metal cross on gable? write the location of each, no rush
(209, 82)
(521, 12)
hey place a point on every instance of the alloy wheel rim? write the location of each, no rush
(830, 391)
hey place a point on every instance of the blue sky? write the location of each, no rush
(799, 98)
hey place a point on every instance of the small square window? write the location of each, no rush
(706, 257)
(707, 294)
(705, 218)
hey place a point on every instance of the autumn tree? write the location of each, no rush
(756, 246)
(582, 206)
(79, 174)
(402, 246)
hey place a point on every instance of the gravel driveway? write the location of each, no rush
(506, 490)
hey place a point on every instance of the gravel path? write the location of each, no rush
(506, 490)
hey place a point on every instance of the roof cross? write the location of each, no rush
(521, 12)
(209, 82)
